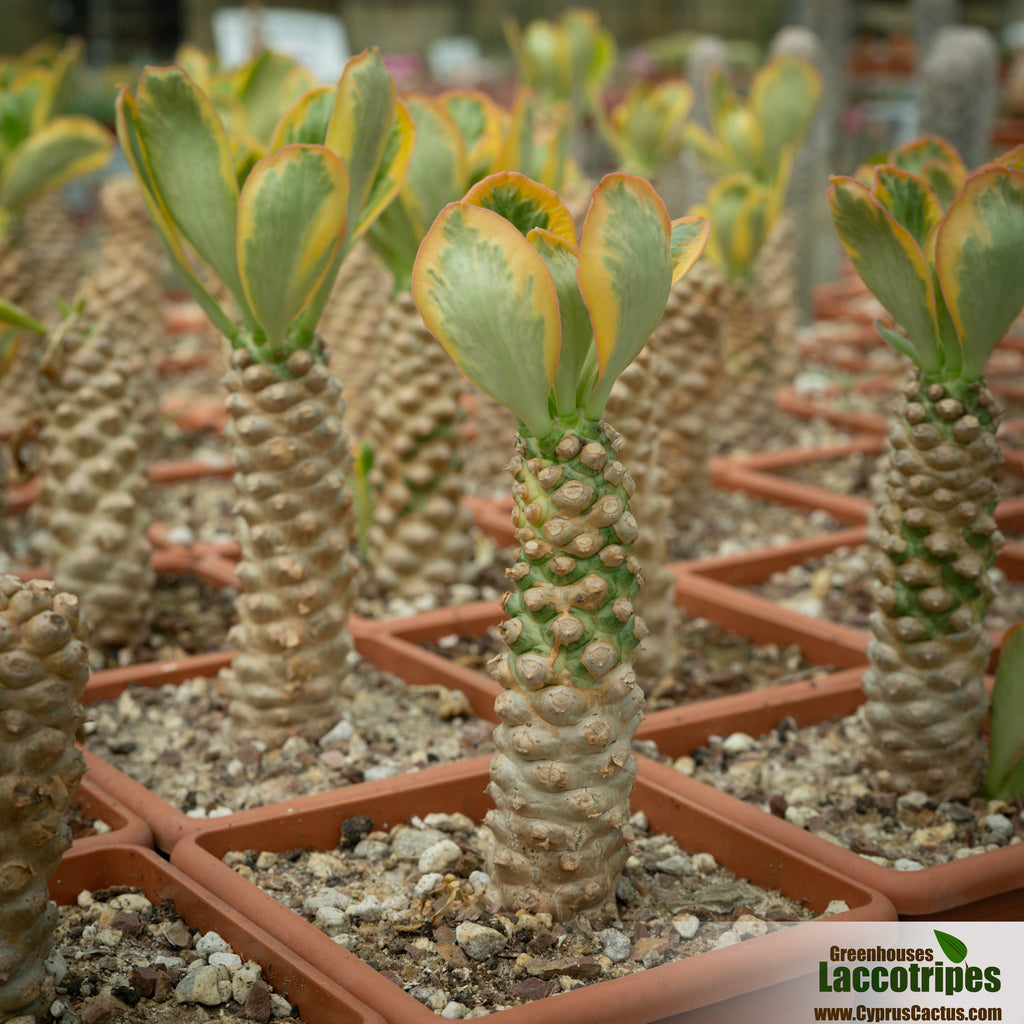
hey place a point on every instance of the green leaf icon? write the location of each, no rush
(951, 946)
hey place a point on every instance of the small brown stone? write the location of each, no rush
(98, 1008)
(257, 1002)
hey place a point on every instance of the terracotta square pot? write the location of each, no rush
(988, 886)
(734, 971)
(720, 589)
(320, 1000)
(126, 827)
(169, 823)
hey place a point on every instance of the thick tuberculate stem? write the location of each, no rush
(937, 541)
(44, 667)
(296, 573)
(564, 771)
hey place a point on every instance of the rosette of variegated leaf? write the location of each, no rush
(545, 326)
(949, 279)
(645, 131)
(276, 239)
(756, 356)
(564, 59)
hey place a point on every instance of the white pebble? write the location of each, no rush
(679, 864)
(738, 743)
(243, 980)
(615, 944)
(209, 943)
(338, 734)
(836, 907)
(232, 961)
(687, 925)
(454, 1011)
(906, 864)
(479, 941)
(704, 863)
(428, 883)
(439, 856)
(367, 909)
(996, 828)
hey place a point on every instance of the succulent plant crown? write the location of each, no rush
(749, 151)
(275, 230)
(461, 137)
(40, 151)
(645, 128)
(564, 59)
(538, 322)
(944, 268)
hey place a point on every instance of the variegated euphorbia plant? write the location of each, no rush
(564, 59)
(544, 325)
(950, 279)
(741, 211)
(646, 128)
(758, 134)
(276, 240)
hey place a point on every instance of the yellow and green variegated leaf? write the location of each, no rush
(167, 231)
(891, 264)
(549, 161)
(245, 152)
(949, 337)
(517, 146)
(912, 156)
(394, 166)
(739, 212)
(688, 240)
(486, 294)
(591, 48)
(437, 169)
(360, 129)
(64, 149)
(291, 220)
(524, 203)
(272, 82)
(15, 316)
(783, 99)
(193, 172)
(979, 253)
(33, 93)
(625, 273)
(306, 120)
(909, 199)
(1013, 158)
(711, 154)
(562, 259)
(945, 181)
(547, 62)
(721, 98)
(479, 119)
(196, 63)
(743, 142)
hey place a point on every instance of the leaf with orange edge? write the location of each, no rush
(291, 220)
(688, 240)
(480, 120)
(908, 199)
(891, 264)
(306, 120)
(488, 297)
(524, 203)
(191, 165)
(625, 274)
(167, 231)
(562, 259)
(979, 253)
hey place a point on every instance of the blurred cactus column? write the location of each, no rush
(958, 91)
(43, 671)
(91, 507)
(546, 327)
(276, 239)
(566, 62)
(750, 148)
(951, 280)
(931, 18)
(420, 536)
